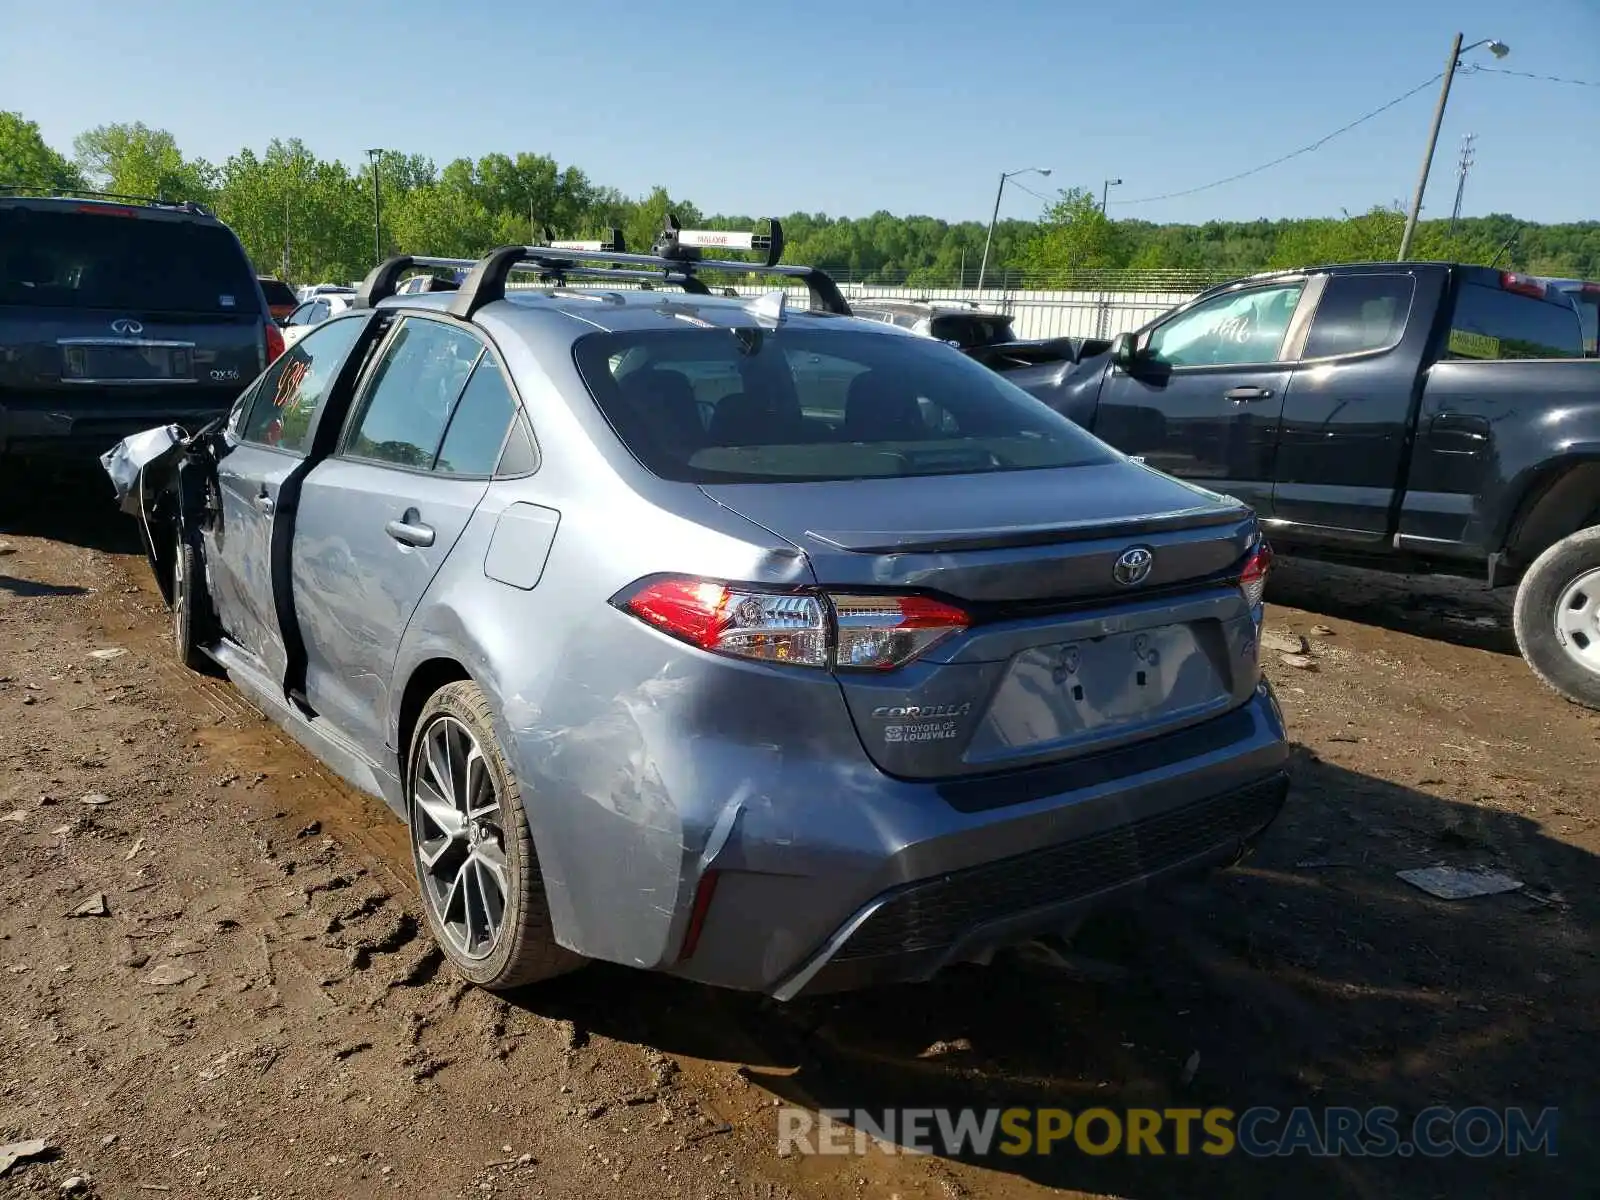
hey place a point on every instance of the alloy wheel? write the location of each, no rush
(459, 840)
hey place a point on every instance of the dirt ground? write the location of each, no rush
(257, 1014)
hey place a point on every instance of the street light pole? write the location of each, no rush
(377, 208)
(983, 264)
(1105, 192)
(1499, 50)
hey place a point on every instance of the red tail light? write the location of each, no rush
(274, 344)
(1523, 285)
(1253, 579)
(804, 627)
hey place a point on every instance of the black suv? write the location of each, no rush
(116, 314)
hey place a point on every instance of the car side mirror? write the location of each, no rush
(1124, 351)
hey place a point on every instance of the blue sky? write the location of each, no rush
(850, 106)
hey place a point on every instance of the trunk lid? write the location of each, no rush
(1062, 657)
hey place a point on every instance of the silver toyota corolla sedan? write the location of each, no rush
(762, 645)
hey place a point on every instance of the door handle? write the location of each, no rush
(264, 504)
(409, 531)
(1243, 395)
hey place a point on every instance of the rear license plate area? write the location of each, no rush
(125, 364)
(1074, 690)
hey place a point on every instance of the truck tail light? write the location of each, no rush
(1523, 285)
(804, 627)
(1253, 579)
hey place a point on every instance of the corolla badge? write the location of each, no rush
(126, 326)
(1133, 566)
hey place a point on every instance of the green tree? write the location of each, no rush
(27, 161)
(135, 160)
(1074, 235)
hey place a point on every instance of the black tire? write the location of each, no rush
(191, 605)
(524, 950)
(1554, 656)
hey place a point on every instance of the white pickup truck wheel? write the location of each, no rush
(1557, 617)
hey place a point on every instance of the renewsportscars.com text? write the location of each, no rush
(1259, 1132)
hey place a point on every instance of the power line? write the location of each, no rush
(1530, 75)
(1025, 188)
(1307, 149)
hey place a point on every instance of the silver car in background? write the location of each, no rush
(770, 647)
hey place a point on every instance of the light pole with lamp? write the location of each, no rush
(988, 241)
(377, 208)
(1105, 192)
(1499, 50)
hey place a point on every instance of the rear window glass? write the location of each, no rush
(968, 331)
(1358, 313)
(278, 292)
(60, 259)
(1490, 322)
(749, 405)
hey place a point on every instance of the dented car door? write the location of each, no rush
(265, 448)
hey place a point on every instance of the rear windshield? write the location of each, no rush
(968, 330)
(1491, 322)
(278, 292)
(59, 259)
(748, 405)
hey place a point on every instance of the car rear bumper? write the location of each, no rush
(807, 906)
(62, 428)
(911, 932)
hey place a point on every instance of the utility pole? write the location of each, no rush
(1497, 48)
(1105, 193)
(1462, 167)
(377, 208)
(983, 265)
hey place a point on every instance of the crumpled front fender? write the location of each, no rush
(147, 472)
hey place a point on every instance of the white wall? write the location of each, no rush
(1034, 314)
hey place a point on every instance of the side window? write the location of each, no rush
(319, 312)
(520, 457)
(403, 412)
(478, 426)
(298, 316)
(290, 393)
(1360, 312)
(1238, 329)
(1490, 322)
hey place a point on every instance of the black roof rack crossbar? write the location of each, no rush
(486, 283)
(52, 193)
(383, 281)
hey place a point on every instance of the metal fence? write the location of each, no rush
(1034, 313)
(1045, 313)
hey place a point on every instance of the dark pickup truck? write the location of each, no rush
(1408, 416)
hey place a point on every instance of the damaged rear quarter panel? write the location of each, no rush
(631, 748)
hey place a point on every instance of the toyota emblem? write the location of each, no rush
(1133, 566)
(127, 327)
